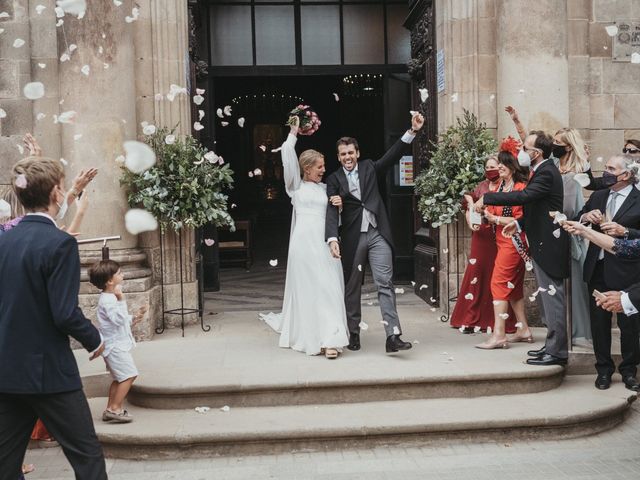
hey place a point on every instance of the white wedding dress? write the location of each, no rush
(313, 313)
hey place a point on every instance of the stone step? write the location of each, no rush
(576, 408)
(189, 390)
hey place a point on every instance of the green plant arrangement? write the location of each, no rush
(456, 167)
(185, 187)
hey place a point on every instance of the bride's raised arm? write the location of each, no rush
(292, 179)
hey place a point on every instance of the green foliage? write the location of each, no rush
(456, 167)
(183, 188)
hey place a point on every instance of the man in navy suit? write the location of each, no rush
(39, 284)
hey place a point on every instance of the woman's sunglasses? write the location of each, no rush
(630, 150)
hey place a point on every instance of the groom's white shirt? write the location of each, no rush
(354, 187)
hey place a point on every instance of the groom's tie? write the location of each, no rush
(354, 184)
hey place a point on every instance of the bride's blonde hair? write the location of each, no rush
(578, 158)
(308, 159)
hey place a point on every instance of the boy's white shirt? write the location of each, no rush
(114, 323)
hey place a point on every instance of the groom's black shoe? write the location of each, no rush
(395, 343)
(354, 342)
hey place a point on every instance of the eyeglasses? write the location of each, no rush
(630, 150)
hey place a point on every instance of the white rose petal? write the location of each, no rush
(200, 114)
(149, 129)
(433, 309)
(454, 97)
(120, 159)
(359, 268)
(510, 285)
(73, 7)
(400, 291)
(445, 250)
(469, 296)
(528, 265)
(200, 91)
(424, 94)
(117, 3)
(3, 114)
(273, 263)
(20, 149)
(583, 179)
(504, 316)
(40, 9)
(4, 15)
(552, 290)
(556, 233)
(198, 99)
(199, 409)
(227, 110)
(521, 90)
(396, 331)
(225, 409)
(600, 159)
(197, 126)
(363, 326)
(64, 162)
(42, 65)
(519, 325)
(40, 116)
(532, 298)
(65, 57)
(5, 209)
(433, 269)
(158, 96)
(462, 329)
(492, 97)
(86, 69)
(496, 302)
(241, 122)
(73, 47)
(65, 117)
(472, 261)
(612, 30)
(18, 42)
(250, 174)
(474, 281)
(170, 139)
(224, 124)
(33, 90)
(77, 136)
(423, 286)
(257, 172)
(139, 156)
(635, 57)
(219, 113)
(336, 97)
(432, 300)
(209, 242)
(476, 329)
(137, 221)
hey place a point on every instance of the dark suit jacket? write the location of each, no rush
(619, 273)
(634, 294)
(543, 194)
(39, 284)
(369, 173)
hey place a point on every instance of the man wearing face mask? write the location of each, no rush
(543, 194)
(40, 280)
(615, 212)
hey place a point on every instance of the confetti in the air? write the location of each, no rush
(273, 263)
(476, 329)
(135, 13)
(432, 300)
(528, 265)
(59, 23)
(496, 302)
(139, 156)
(612, 30)
(492, 97)
(77, 136)
(200, 91)
(532, 298)
(445, 250)
(359, 268)
(519, 325)
(489, 330)
(117, 3)
(20, 149)
(257, 172)
(5, 209)
(263, 148)
(209, 242)
(42, 65)
(65, 57)
(21, 181)
(137, 221)
(4, 15)
(63, 162)
(174, 91)
(363, 326)
(433, 269)
(65, 117)
(424, 94)
(40, 116)
(600, 159)
(158, 96)
(33, 90)
(521, 90)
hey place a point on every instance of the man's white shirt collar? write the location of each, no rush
(42, 214)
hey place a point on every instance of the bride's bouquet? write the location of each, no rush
(309, 121)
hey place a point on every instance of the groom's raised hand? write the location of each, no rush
(417, 121)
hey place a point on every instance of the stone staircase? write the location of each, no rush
(280, 400)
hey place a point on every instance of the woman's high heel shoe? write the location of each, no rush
(492, 345)
(331, 353)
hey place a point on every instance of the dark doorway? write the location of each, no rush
(264, 103)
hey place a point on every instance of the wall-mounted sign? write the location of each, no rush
(626, 41)
(406, 172)
(440, 70)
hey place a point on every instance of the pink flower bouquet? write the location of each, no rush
(309, 120)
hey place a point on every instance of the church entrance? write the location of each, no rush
(348, 61)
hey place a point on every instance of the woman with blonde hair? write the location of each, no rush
(313, 318)
(573, 158)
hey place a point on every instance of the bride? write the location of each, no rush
(313, 318)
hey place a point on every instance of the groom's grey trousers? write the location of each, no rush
(378, 251)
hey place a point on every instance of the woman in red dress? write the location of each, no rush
(474, 309)
(509, 268)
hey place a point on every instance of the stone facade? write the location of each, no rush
(129, 62)
(552, 60)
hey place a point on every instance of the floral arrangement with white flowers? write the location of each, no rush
(186, 186)
(456, 167)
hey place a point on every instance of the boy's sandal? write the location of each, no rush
(122, 417)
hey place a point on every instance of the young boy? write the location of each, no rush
(115, 327)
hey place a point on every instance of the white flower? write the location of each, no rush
(137, 221)
(170, 139)
(139, 156)
(211, 157)
(149, 129)
(33, 90)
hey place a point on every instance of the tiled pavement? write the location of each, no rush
(613, 455)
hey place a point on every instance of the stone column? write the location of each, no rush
(161, 45)
(533, 71)
(98, 82)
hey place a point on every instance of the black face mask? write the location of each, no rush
(559, 151)
(609, 179)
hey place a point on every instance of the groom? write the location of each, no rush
(366, 232)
